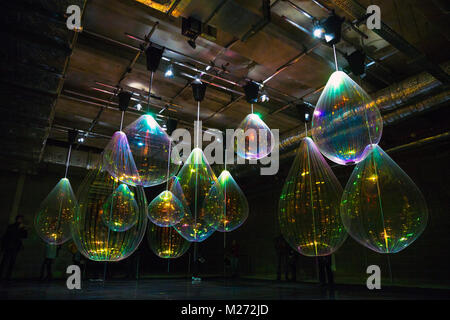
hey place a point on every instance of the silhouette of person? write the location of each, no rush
(292, 264)
(281, 249)
(51, 253)
(11, 245)
(326, 277)
(234, 259)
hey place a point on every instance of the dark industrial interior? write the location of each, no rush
(54, 79)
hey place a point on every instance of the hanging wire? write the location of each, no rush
(150, 92)
(335, 58)
(311, 193)
(252, 107)
(168, 163)
(121, 120)
(68, 160)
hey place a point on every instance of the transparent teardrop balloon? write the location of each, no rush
(120, 211)
(236, 205)
(254, 140)
(381, 206)
(166, 242)
(150, 146)
(165, 210)
(203, 199)
(54, 217)
(345, 120)
(309, 204)
(118, 160)
(92, 237)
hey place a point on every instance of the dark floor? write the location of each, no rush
(180, 289)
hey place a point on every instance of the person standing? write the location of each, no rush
(11, 245)
(234, 259)
(281, 249)
(51, 252)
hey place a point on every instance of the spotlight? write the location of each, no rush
(356, 62)
(80, 140)
(333, 27)
(318, 30)
(329, 29)
(251, 90)
(169, 72)
(264, 96)
(171, 125)
(124, 100)
(191, 42)
(305, 111)
(138, 107)
(154, 55)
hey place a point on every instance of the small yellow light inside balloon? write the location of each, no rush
(373, 178)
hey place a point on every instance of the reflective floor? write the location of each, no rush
(179, 289)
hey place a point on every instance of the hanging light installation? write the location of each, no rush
(55, 214)
(235, 209)
(117, 157)
(345, 120)
(255, 141)
(91, 235)
(121, 210)
(381, 207)
(150, 144)
(309, 204)
(201, 192)
(166, 209)
(166, 243)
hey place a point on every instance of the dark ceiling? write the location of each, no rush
(68, 79)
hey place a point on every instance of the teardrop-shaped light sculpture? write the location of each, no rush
(236, 205)
(165, 210)
(54, 217)
(254, 138)
(120, 211)
(202, 196)
(92, 237)
(150, 146)
(166, 242)
(345, 121)
(118, 160)
(309, 204)
(381, 206)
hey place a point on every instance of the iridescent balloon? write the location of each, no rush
(92, 237)
(201, 196)
(345, 120)
(118, 160)
(236, 205)
(121, 210)
(165, 210)
(166, 243)
(150, 147)
(381, 206)
(309, 204)
(55, 214)
(254, 138)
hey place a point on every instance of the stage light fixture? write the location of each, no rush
(169, 72)
(264, 96)
(356, 61)
(251, 90)
(138, 107)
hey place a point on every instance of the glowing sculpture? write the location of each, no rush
(345, 120)
(309, 204)
(150, 146)
(236, 206)
(118, 160)
(92, 237)
(120, 211)
(201, 196)
(255, 141)
(381, 206)
(165, 210)
(166, 243)
(55, 214)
